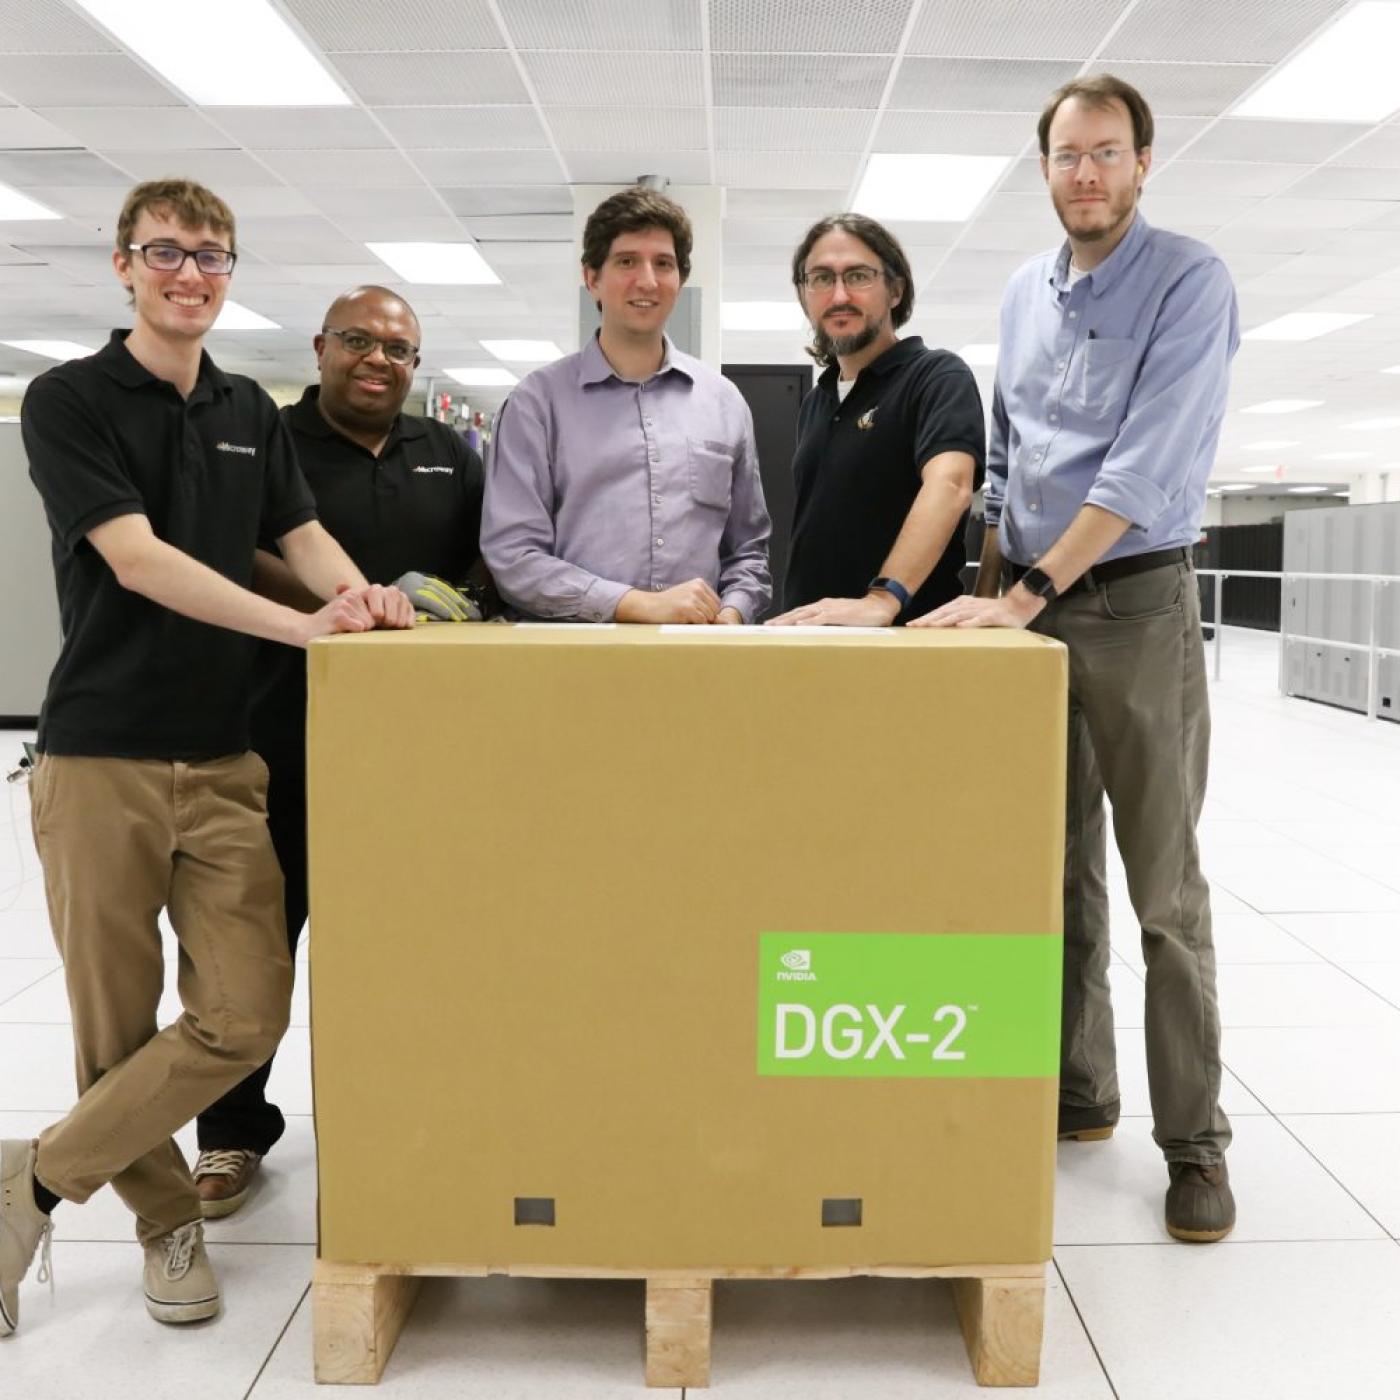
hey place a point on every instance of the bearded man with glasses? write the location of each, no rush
(889, 442)
(1111, 386)
(159, 475)
(403, 494)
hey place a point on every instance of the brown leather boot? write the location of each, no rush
(223, 1178)
(1200, 1204)
(1087, 1124)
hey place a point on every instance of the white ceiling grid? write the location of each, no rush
(471, 118)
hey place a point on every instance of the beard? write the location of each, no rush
(1117, 211)
(853, 342)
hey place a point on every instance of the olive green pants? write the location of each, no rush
(120, 840)
(1139, 730)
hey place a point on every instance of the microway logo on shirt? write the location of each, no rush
(234, 447)
(445, 471)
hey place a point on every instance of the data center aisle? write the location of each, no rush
(1302, 844)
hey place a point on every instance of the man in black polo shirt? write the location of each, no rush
(400, 493)
(159, 474)
(890, 442)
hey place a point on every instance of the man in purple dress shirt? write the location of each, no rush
(623, 482)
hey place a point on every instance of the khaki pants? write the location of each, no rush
(1139, 729)
(120, 840)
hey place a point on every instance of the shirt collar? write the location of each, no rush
(306, 417)
(1102, 277)
(120, 364)
(593, 366)
(898, 355)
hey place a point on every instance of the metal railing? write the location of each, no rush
(1374, 651)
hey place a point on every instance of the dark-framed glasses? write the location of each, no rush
(397, 352)
(1105, 157)
(854, 279)
(170, 257)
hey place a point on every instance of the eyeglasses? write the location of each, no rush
(170, 257)
(397, 352)
(1105, 157)
(854, 279)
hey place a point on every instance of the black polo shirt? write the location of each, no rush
(857, 471)
(415, 506)
(213, 474)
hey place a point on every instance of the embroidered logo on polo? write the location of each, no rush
(866, 421)
(236, 447)
(434, 470)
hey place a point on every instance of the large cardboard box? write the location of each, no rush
(716, 941)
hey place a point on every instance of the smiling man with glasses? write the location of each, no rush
(159, 475)
(401, 493)
(1111, 386)
(889, 442)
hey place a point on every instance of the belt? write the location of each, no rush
(1109, 570)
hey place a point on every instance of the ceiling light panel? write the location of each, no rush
(261, 61)
(441, 263)
(1305, 325)
(525, 352)
(761, 316)
(1283, 406)
(236, 317)
(793, 80)
(739, 26)
(935, 189)
(1348, 73)
(1273, 445)
(482, 378)
(1307, 490)
(979, 354)
(1373, 425)
(19, 207)
(51, 349)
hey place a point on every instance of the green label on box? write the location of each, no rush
(909, 1006)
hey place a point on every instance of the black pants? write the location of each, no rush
(244, 1118)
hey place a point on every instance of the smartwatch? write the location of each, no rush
(1040, 583)
(894, 588)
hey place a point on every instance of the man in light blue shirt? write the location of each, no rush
(1112, 377)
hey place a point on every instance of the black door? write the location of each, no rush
(774, 393)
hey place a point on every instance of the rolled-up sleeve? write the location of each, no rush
(1177, 395)
(517, 523)
(745, 583)
(994, 488)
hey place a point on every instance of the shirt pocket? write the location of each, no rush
(711, 474)
(1106, 377)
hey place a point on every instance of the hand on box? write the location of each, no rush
(877, 609)
(1019, 608)
(693, 601)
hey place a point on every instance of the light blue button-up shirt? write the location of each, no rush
(597, 485)
(1110, 393)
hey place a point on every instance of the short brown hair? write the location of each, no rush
(191, 205)
(893, 263)
(1100, 91)
(630, 211)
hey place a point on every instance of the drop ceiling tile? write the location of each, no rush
(356, 199)
(1175, 134)
(278, 201)
(628, 128)
(1025, 238)
(1311, 213)
(1017, 207)
(1025, 177)
(462, 167)
(1275, 237)
(464, 128)
(1013, 29)
(21, 129)
(792, 129)
(431, 79)
(1388, 217)
(611, 25)
(1246, 31)
(799, 80)
(82, 80)
(27, 276)
(1187, 89)
(1176, 211)
(509, 199)
(339, 25)
(624, 167)
(335, 276)
(499, 168)
(47, 27)
(573, 79)
(765, 233)
(955, 133)
(294, 227)
(1241, 138)
(23, 232)
(335, 251)
(74, 169)
(299, 128)
(1339, 182)
(1188, 177)
(809, 205)
(807, 26)
(315, 169)
(784, 170)
(977, 84)
(388, 226)
(217, 169)
(973, 268)
(1380, 149)
(528, 228)
(137, 128)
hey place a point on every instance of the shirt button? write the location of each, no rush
(659, 543)
(1054, 418)
(1059, 364)
(1033, 506)
(1074, 315)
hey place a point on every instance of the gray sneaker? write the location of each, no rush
(180, 1282)
(22, 1226)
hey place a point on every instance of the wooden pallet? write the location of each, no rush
(358, 1311)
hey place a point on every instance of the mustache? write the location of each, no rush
(847, 309)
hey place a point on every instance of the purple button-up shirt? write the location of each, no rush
(597, 485)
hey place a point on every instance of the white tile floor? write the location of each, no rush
(1302, 842)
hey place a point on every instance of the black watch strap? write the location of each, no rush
(1040, 583)
(894, 588)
